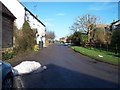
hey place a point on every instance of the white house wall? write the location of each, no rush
(41, 31)
(35, 24)
(17, 10)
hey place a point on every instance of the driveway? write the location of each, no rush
(68, 69)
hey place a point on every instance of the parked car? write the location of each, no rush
(67, 44)
(6, 75)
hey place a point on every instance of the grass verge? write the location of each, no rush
(103, 56)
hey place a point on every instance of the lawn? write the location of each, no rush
(103, 56)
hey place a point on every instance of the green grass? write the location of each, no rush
(108, 57)
(8, 56)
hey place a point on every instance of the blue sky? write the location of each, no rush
(59, 16)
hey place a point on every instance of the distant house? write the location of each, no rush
(115, 25)
(22, 14)
(63, 39)
(7, 26)
(101, 25)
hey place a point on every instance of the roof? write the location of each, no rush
(32, 14)
(101, 25)
(5, 11)
(116, 22)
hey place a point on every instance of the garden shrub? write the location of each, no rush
(76, 38)
(24, 39)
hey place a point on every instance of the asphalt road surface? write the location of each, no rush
(68, 69)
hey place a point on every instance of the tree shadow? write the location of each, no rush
(58, 77)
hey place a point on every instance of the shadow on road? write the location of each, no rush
(59, 77)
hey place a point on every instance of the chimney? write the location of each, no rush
(114, 20)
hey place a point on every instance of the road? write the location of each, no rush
(68, 69)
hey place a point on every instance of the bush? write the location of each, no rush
(76, 38)
(115, 38)
(24, 39)
(7, 56)
(84, 39)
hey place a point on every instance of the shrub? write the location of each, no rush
(115, 37)
(8, 55)
(76, 38)
(84, 39)
(24, 39)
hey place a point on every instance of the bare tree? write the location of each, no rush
(74, 27)
(50, 35)
(86, 23)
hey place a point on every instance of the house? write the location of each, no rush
(36, 25)
(22, 14)
(101, 25)
(63, 39)
(115, 25)
(7, 19)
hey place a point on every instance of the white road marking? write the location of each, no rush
(18, 82)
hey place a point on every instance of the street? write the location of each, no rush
(68, 69)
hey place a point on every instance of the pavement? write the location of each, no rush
(67, 69)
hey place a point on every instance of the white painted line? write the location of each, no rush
(18, 82)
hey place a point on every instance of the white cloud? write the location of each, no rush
(102, 6)
(48, 19)
(60, 14)
(49, 24)
(95, 8)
